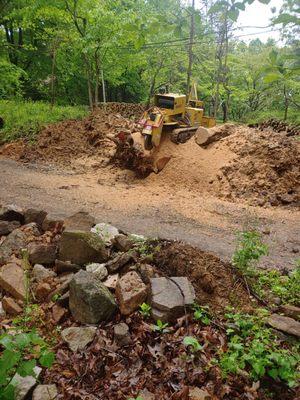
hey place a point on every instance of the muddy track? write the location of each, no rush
(206, 222)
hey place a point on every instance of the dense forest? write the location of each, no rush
(79, 52)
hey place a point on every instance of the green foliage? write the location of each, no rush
(248, 251)
(25, 119)
(192, 343)
(136, 398)
(145, 310)
(21, 353)
(253, 348)
(201, 314)
(161, 327)
(286, 287)
(10, 80)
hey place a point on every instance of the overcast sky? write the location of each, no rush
(257, 14)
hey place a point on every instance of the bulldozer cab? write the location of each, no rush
(170, 103)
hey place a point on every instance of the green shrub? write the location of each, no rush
(249, 250)
(21, 353)
(24, 119)
(286, 287)
(252, 347)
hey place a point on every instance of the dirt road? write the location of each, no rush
(139, 207)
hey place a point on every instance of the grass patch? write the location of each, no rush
(24, 119)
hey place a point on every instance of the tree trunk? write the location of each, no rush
(286, 103)
(53, 76)
(190, 51)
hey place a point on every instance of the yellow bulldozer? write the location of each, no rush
(172, 116)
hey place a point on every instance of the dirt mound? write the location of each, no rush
(214, 281)
(127, 110)
(278, 126)
(66, 141)
(265, 170)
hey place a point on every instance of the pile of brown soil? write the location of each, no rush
(127, 110)
(278, 126)
(215, 282)
(264, 171)
(65, 141)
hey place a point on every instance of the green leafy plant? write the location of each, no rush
(249, 250)
(145, 310)
(286, 287)
(192, 343)
(160, 326)
(136, 398)
(253, 347)
(201, 313)
(21, 353)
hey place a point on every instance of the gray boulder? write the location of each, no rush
(40, 273)
(82, 248)
(78, 337)
(90, 301)
(81, 221)
(6, 227)
(45, 392)
(123, 243)
(99, 270)
(23, 385)
(106, 232)
(13, 243)
(285, 324)
(33, 215)
(170, 296)
(119, 262)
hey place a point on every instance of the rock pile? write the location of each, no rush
(92, 268)
(90, 279)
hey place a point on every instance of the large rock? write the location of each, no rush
(52, 223)
(81, 221)
(45, 392)
(122, 335)
(78, 337)
(40, 273)
(65, 266)
(12, 280)
(111, 282)
(285, 324)
(6, 227)
(123, 243)
(33, 215)
(42, 291)
(13, 243)
(99, 270)
(82, 248)
(119, 262)
(199, 394)
(290, 311)
(106, 232)
(90, 301)
(11, 213)
(23, 385)
(131, 292)
(169, 297)
(42, 253)
(11, 306)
